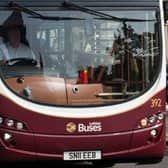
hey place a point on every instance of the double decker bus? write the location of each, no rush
(95, 86)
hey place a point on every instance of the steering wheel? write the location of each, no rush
(21, 61)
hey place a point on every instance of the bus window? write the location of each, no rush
(105, 60)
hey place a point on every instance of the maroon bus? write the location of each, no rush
(81, 80)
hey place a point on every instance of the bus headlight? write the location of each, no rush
(19, 125)
(1, 120)
(10, 123)
(153, 133)
(7, 136)
(160, 116)
(152, 119)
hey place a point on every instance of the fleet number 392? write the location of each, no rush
(156, 102)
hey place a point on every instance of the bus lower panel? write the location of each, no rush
(34, 146)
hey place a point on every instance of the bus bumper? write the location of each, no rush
(28, 146)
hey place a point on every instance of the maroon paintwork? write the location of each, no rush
(45, 137)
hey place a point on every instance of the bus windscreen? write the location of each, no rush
(74, 58)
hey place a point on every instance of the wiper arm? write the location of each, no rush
(34, 14)
(87, 10)
(129, 20)
(56, 18)
(102, 15)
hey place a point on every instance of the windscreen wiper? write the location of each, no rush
(101, 15)
(34, 14)
(87, 10)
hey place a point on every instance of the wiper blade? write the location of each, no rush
(102, 15)
(56, 18)
(128, 20)
(34, 14)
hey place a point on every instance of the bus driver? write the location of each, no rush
(14, 45)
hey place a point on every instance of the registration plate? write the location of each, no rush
(82, 155)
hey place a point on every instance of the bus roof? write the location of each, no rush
(89, 3)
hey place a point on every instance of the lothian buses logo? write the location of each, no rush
(71, 127)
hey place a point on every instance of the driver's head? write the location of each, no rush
(15, 19)
(11, 27)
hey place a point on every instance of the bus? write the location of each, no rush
(86, 80)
